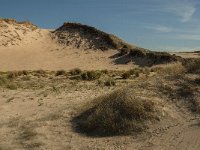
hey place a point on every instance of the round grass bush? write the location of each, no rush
(117, 113)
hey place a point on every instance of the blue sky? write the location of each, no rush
(154, 24)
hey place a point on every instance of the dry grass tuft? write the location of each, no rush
(110, 82)
(117, 113)
(90, 75)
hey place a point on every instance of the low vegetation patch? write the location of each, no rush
(126, 75)
(90, 75)
(135, 72)
(193, 66)
(75, 71)
(117, 113)
(15, 74)
(60, 73)
(110, 82)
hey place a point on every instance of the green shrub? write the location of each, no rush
(117, 113)
(75, 71)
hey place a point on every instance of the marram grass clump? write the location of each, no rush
(115, 114)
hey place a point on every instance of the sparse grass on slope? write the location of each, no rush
(27, 24)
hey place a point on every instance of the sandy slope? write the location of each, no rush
(43, 53)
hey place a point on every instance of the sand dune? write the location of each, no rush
(25, 48)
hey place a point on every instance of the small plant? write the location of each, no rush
(110, 82)
(3, 80)
(126, 75)
(90, 75)
(105, 71)
(75, 71)
(24, 72)
(12, 86)
(60, 73)
(40, 71)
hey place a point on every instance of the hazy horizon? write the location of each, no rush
(154, 24)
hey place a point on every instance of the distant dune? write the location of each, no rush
(26, 46)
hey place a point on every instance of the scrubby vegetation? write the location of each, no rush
(117, 113)
(90, 75)
(135, 72)
(60, 72)
(110, 82)
(154, 57)
(75, 71)
(193, 65)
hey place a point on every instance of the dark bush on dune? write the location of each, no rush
(117, 113)
(137, 53)
(161, 57)
(153, 57)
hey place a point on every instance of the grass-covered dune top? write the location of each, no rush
(143, 57)
(27, 24)
(121, 112)
(87, 37)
